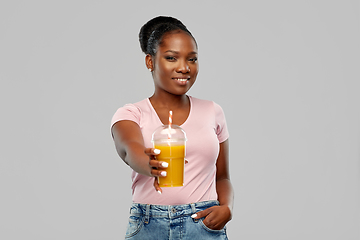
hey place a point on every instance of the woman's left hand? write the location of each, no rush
(216, 217)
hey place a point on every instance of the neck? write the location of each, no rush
(169, 101)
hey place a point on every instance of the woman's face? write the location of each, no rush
(175, 64)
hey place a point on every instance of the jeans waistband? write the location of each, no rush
(169, 211)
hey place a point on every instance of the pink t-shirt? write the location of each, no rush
(205, 128)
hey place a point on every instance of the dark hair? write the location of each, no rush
(151, 33)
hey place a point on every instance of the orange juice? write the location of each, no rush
(174, 155)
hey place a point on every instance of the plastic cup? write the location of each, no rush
(172, 143)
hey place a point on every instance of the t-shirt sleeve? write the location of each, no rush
(127, 112)
(221, 126)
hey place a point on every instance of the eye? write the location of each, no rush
(170, 58)
(193, 59)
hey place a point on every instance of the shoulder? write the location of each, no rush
(213, 115)
(200, 102)
(205, 104)
(134, 107)
(130, 111)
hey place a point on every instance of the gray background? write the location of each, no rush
(285, 73)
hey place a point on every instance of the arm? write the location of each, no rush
(130, 146)
(223, 185)
(216, 217)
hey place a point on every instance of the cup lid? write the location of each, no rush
(165, 133)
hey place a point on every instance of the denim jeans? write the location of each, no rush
(157, 222)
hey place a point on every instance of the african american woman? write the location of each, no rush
(200, 208)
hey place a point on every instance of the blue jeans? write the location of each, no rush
(157, 222)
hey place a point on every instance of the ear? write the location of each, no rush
(149, 62)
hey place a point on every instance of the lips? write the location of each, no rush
(182, 80)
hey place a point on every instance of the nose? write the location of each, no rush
(183, 67)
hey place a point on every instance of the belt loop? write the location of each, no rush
(193, 210)
(147, 214)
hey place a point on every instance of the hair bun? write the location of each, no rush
(160, 24)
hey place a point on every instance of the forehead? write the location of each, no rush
(178, 41)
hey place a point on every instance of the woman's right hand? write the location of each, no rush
(156, 183)
(130, 144)
(155, 164)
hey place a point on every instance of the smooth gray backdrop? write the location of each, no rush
(285, 72)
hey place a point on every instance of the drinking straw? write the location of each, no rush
(170, 122)
(170, 118)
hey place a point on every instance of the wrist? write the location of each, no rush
(227, 209)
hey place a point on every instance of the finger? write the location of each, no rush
(158, 164)
(201, 214)
(215, 219)
(158, 173)
(213, 222)
(156, 186)
(210, 221)
(152, 151)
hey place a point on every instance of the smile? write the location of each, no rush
(181, 79)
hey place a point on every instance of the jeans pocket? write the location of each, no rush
(134, 225)
(211, 230)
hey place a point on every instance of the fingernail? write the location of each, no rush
(164, 164)
(163, 174)
(157, 151)
(194, 215)
(159, 192)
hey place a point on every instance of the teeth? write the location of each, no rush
(181, 79)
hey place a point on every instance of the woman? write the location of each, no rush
(202, 207)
